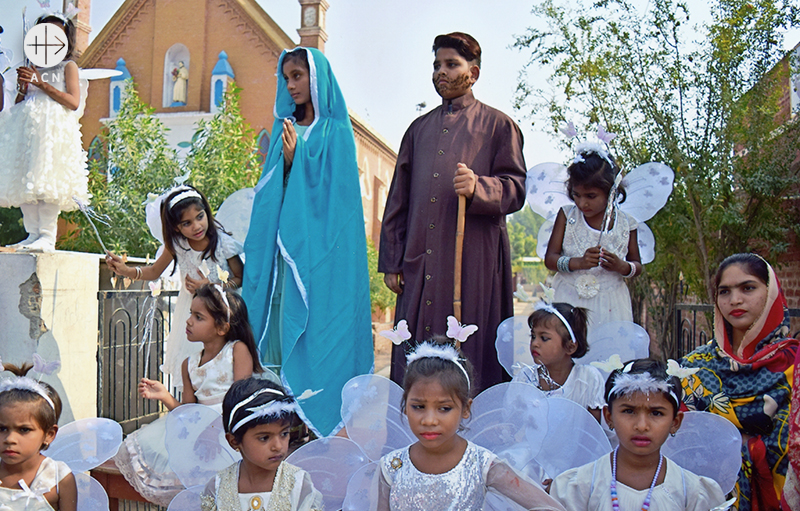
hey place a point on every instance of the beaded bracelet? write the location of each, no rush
(563, 264)
(632, 273)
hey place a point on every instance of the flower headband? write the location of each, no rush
(26, 384)
(276, 408)
(443, 352)
(186, 194)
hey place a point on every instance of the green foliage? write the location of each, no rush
(11, 230)
(523, 230)
(223, 156)
(380, 296)
(704, 100)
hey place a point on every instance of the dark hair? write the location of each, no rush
(239, 329)
(464, 44)
(752, 264)
(243, 389)
(44, 414)
(171, 219)
(450, 377)
(300, 56)
(594, 172)
(66, 24)
(577, 317)
(656, 369)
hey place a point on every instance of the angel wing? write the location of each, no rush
(546, 190)
(196, 444)
(708, 445)
(330, 462)
(625, 339)
(513, 344)
(234, 213)
(647, 189)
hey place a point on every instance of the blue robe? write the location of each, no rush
(315, 225)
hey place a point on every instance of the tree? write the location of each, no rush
(381, 297)
(705, 101)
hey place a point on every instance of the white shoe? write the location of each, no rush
(43, 244)
(27, 241)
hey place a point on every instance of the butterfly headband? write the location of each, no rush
(584, 148)
(544, 306)
(26, 384)
(186, 194)
(443, 352)
(276, 408)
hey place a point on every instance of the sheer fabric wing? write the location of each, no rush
(362, 489)
(543, 238)
(371, 413)
(187, 500)
(513, 344)
(196, 444)
(546, 189)
(86, 443)
(91, 495)
(708, 445)
(623, 338)
(646, 242)
(234, 213)
(331, 462)
(573, 438)
(510, 419)
(647, 189)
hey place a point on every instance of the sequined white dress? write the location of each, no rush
(50, 473)
(603, 292)
(178, 347)
(404, 488)
(143, 459)
(585, 385)
(588, 488)
(42, 154)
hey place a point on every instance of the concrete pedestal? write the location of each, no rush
(48, 305)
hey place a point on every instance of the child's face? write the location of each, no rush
(642, 421)
(434, 414)
(591, 201)
(21, 436)
(547, 345)
(194, 223)
(265, 445)
(741, 297)
(453, 75)
(297, 81)
(201, 325)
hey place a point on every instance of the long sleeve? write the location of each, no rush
(395, 215)
(506, 481)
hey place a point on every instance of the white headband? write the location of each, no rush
(443, 352)
(184, 195)
(249, 399)
(275, 409)
(27, 384)
(626, 384)
(543, 306)
(224, 299)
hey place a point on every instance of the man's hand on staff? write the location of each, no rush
(465, 181)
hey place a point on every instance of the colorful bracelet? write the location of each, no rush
(563, 264)
(632, 273)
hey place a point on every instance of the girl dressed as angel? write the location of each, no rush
(593, 247)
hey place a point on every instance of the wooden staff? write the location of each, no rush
(462, 210)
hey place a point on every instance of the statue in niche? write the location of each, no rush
(180, 75)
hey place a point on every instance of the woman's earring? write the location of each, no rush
(672, 434)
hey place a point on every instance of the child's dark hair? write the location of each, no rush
(243, 389)
(464, 44)
(753, 265)
(451, 377)
(594, 172)
(66, 25)
(239, 329)
(171, 220)
(46, 416)
(577, 317)
(300, 56)
(656, 369)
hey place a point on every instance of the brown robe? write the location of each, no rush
(419, 226)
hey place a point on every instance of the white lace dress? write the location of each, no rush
(42, 156)
(603, 292)
(585, 385)
(49, 474)
(189, 261)
(143, 458)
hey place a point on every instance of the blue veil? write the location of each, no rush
(316, 225)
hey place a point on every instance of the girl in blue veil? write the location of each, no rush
(306, 281)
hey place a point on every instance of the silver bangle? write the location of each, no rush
(632, 273)
(138, 275)
(563, 264)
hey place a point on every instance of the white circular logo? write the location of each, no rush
(46, 45)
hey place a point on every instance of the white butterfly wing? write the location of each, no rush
(622, 338)
(647, 188)
(543, 238)
(513, 344)
(546, 189)
(187, 500)
(91, 494)
(234, 213)
(86, 443)
(647, 243)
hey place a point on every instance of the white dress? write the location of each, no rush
(143, 458)
(42, 156)
(49, 474)
(603, 292)
(585, 385)
(463, 488)
(588, 488)
(189, 261)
